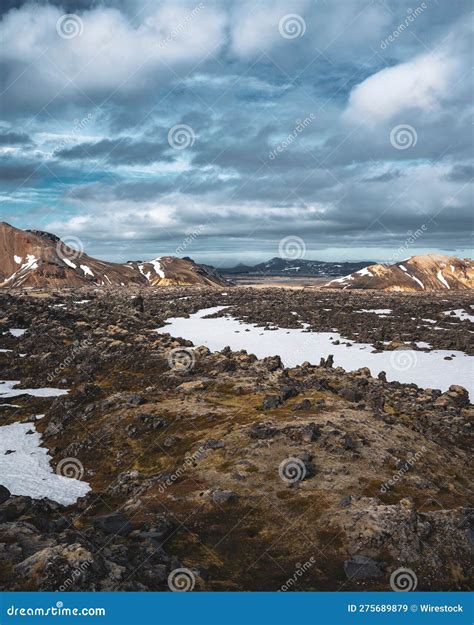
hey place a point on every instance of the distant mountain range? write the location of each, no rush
(284, 267)
(32, 258)
(429, 272)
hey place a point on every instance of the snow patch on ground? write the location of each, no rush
(17, 331)
(69, 263)
(416, 280)
(87, 271)
(382, 312)
(147, 275)
(157, 267)
(7, 389)
(349, 277)
(460, 314)
(27, 471)
(294, 346)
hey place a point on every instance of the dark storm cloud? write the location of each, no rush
(120, 151)
(10, 138)
(462, 173)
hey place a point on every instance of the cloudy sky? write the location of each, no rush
(219, 129)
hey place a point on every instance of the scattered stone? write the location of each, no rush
(303, 405)
(362, 567)
(4, 494)
(223, 496)
(115, 523)
(271, 401)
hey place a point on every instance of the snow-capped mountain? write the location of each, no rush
(299, 267)
(32, 258)
(429, 272)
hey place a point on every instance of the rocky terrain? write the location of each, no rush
(32, 258)
(248, 475)
(430, 272)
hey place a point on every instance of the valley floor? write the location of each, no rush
(164, 460)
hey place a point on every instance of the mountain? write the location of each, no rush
(33, 258)
(169, 271)
(284, 267)
(429, 272)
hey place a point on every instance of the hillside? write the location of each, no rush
(429, 272)
(32, 258)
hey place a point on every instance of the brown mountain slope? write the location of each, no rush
(32, 258)
(429, 272)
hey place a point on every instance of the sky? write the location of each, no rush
(237, 131)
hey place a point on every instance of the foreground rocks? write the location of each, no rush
(235, 468)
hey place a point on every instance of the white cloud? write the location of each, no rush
(420, 84)
(109, 53)
(255, 26)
